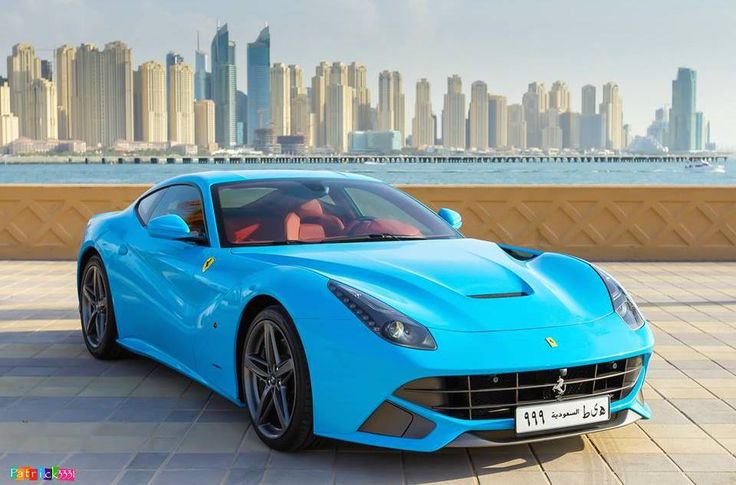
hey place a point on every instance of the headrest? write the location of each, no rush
(311, 208)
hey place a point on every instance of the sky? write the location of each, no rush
(638, 44)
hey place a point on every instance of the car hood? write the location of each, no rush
(456, 284)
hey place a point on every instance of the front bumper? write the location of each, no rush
(353, 373)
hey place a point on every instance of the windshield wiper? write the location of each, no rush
(374, 237)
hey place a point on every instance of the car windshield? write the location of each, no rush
(293, 211)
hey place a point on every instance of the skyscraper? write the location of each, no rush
(241, 117)
(338, 108)
(570, 125)
(559, 97)
(517, 127)
(259, 88)
(684, 107)
(358, 80)
(536, 103)
(422, 126)
(172, 59)
(300, 110)
(699, 130)
(117, 93)
(591, 126)
(320, 82)
(497, 122)
(65, 90)
(46, 70)
(8, 121)
(42, 108)
(280, 99)
(399, 106)
(551, 131)
(588, 100)
(223, 86)
(612, 117)
(87, 113)
(391, 110)
(478, 116)
(453, 114)
(181, 104)
(204, 125)
(153, 118)
(202, 89)
(23, 68)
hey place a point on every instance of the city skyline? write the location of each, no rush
(418, 40)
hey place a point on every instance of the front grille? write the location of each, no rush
(495, 396)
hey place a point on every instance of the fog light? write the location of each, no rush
(395, 330)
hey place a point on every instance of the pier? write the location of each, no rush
(387, 159)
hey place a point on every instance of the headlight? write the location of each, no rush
(383, 320)
(623, 304)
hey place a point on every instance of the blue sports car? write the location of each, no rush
(333, 305)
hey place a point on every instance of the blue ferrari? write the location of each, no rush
(334, 305)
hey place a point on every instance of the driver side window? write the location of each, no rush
(184, 201)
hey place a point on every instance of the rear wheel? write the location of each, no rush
(96, 312)
(276, 382)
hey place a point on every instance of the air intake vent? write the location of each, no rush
(520, 253)
(489, 296)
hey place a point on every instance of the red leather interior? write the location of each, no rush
(310, 223)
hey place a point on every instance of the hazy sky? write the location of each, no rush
(637, 43)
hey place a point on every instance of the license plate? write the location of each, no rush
(562, 414)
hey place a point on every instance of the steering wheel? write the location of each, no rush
(360, 223)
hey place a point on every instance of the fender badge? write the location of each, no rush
(552, 342)
(208, 262)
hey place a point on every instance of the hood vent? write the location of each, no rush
(520, 254)
(489, 296)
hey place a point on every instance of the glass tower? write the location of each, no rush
(682, 116)
(259, 84)
(223, 86)
(201, 76)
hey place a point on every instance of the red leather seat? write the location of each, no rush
(310, 223)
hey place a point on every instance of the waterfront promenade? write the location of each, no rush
(133, 421)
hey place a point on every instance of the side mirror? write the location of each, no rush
(172, 227)
(451, 217)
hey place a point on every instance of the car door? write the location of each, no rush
(172, 287)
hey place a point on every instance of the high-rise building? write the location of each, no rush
(181, 104)
(358, 80)
(8, 121)
(536, 104)
(241, 117)
(320, 81)
(612, 117)
(517, 127)
(223, 86)
(338, 108)
(551, 131)
(497, 122)
(65, 90)
(87, 112)
(152, 98)
(391, 107)
(259, 78)
(23, 68)
(280, 99)
(559, 97)
(570, 125)
(117, 93)
(422, 126)
(453, 114)
(684, 107)
(658, 130)
(699, 130)
(204, 125)
(42, 108)
(46, 70)
(301, 116)
(478, 116)
(172, 59)
(202, 81)
(588, 100)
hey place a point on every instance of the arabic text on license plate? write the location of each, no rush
(562, 414)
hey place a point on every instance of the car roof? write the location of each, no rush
(224, 176)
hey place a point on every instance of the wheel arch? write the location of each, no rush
(83, 258)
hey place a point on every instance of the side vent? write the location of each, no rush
(521, 254)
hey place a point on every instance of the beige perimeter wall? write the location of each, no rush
(595, 222)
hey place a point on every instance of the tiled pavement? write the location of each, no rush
(133, 421)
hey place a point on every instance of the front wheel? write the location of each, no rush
(96, 311)
(276, 382)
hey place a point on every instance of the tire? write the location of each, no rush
(267, 382)
(96, 312)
